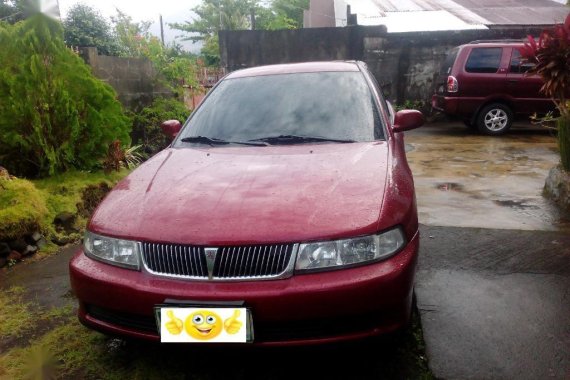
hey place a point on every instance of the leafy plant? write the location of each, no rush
(146, 123)
(85, 26)
(54, 114)
(551, 55)
(120, 158)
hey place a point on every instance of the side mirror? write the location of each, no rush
(171, 128)
(406, 120)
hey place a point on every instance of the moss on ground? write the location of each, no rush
(26, 206)
(22, 208)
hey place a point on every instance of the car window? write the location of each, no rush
(335, 105)
(518, 65)
(484, 60)
(447, 64)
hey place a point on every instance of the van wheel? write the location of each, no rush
(494, 119)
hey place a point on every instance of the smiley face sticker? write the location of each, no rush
(203, 325)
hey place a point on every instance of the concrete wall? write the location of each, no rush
(134, 79)
(405, 64)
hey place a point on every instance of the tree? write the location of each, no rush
(11, 11)
(85, 26)
(216, 15)
(286, 14)
(213, 16)
(54, 114)
(132, 37)
(551, 55)
(135, 40)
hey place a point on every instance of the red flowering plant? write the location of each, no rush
(551, 56)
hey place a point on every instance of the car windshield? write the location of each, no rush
(287, 108)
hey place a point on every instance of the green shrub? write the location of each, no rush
(146, 123)
(54, 114)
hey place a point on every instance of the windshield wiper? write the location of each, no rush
(204, 140)
(214, 141)
(295, 139)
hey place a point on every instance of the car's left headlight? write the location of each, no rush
(349, 252)
(123, 253)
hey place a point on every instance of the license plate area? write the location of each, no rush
(204, 323)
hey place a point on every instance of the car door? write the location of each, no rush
(524, 88)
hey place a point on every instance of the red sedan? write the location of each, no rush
(282, 213)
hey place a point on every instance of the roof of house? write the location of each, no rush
(424, 15)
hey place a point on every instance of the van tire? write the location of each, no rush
(494, 119)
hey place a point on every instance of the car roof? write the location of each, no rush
(493, 43)
(305, 67)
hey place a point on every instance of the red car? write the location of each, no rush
(485, 84)
(285, 205)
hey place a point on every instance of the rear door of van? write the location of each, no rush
(482, 77)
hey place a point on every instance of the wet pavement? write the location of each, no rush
(493, 283)
(468, 180)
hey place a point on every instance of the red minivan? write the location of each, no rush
(282, 213)
(486, 85)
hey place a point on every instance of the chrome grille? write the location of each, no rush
(172, 259)
(230, 263)
(252, 261)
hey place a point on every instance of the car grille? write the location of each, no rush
(230, 263)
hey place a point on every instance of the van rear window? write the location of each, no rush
(449, 61)
(484, 60)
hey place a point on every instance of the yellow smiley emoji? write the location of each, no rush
(203, 325)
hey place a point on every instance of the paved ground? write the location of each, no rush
(494, 300)
(469, 180)
(495, 304)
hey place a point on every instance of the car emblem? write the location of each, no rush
(210, 260)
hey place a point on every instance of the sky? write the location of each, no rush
(145, 10)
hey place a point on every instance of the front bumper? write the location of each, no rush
(303, 309)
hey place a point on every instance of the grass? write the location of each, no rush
(26, 206)
(15, 314)
(70, 351)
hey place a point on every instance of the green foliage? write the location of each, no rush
(132, 37)
(146, 123)
(22, 208)
(85, 26)
(54, 114)
(11, 11)
(216, 15)
(282, 14)
(134, 40)
(551, 55)
(563, 124)
(28, 206)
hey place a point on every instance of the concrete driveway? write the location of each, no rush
(493, 284)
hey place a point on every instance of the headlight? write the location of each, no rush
(123, 253)
(339, 253)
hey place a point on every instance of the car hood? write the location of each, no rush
(247, 195)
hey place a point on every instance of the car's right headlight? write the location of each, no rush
(123, 253)
(328, 255)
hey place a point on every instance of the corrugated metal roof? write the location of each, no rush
(470, 12)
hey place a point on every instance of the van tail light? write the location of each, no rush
(452, 85)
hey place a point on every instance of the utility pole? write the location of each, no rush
(252, 18)
(161, 30)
